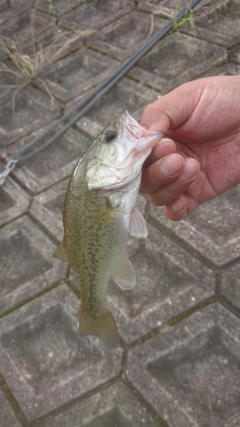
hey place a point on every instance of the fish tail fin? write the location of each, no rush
(103, 325)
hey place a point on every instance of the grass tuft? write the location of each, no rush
(188, 17)
(26, 67)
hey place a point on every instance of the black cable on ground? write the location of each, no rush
(89, 100)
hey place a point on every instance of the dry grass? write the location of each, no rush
(26, 67)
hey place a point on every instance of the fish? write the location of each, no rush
(99, 215)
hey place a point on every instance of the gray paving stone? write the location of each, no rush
(169, 281)
(59, 7)
(230, 286)
(212, 230)
(157, 6)
(166, 8)
(43, 358)
(28, 111)
(126, 95)
(51, 45)
(9, 9)
(235, 54)
(21, 25)
(190, 372)
(53, 164)
(124, 37)
(182, 57)
(95, 14)
(115, 406)
(77, 73)
(47, 207)
(13, 201)
(7, 418)
(218, 22)
(228, 69)
(27, 263)
(44, 49)
(9, 80)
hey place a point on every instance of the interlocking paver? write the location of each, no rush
(27, 265)
(183, 58)
(155, 6)
(117, 38)
(85, 18)
(28, 110)
(166, 8)
(188, 372)
(235, 54)
(78, 73)
(213, 229)
(218, 22)
(47, 207)
(14, 201)
(230, 286)
(7, 417)
(40, 172)
(51, 45)
(59, 8)
(226, 69)
(24, 24)
(9, 10)
(113, 406)
(45, 361)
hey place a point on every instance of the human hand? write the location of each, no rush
(199, 157)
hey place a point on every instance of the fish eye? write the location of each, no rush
(110, 135)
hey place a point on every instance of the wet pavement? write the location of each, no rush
(178, 364)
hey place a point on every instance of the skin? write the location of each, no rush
(199, 157)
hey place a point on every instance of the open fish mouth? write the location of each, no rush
(135, 128)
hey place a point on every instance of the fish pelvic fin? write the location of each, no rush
(124, 275)
(102, 325)
(60, 253)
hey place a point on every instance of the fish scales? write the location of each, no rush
(97, 233)
(99, 214)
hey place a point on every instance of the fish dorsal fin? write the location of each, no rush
(60, 253)
(138, 226)
(124, 275)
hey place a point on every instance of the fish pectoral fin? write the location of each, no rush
(60, 253)
(124, 275)
(138, 225)
(102, 325)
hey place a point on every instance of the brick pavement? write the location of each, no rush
(178, 364)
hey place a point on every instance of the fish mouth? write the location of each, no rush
(136, 130)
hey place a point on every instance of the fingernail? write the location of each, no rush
(190, 169)
(171, 165)
(164, 148)
(178, 205)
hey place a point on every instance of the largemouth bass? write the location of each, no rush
(99, 214)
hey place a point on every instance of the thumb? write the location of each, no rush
(173, 109)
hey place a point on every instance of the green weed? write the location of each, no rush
(50, 6)
(188, 17)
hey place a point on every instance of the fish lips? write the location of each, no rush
(136, 130)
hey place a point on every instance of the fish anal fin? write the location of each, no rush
(124, 275)
(102, 325)
(60, 253)
(138, 226)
